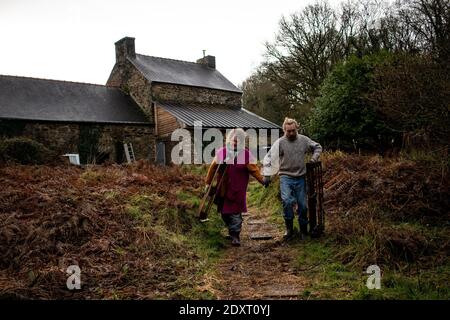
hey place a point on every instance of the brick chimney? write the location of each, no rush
(125, 48)
(209, 61)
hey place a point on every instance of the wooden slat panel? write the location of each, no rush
(166, 122)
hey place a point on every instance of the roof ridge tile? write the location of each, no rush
(171, 59)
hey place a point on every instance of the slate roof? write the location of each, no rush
(216, 116)
(53, 100)
(181, 72)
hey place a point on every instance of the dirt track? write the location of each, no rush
(259, 269)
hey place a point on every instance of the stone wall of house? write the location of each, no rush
(60, 137)
(180, 93)
(66, 138)
(126, 77)
(141, 137)
(139, 89)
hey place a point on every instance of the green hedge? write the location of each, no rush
(24, 151)
(342, 117)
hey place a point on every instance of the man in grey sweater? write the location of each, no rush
(287, 157)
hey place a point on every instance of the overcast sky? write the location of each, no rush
(74, 40)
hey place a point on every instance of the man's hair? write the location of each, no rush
(289, 121)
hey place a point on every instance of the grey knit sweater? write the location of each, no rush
(288, 157)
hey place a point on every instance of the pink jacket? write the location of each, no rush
(236, 180)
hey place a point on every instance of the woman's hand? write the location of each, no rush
(266, 181)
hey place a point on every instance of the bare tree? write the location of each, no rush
(262, 96)
(361, 24)
(430, 20)
(373, 25)
(306, 47)
(395, 34)
(311, 42)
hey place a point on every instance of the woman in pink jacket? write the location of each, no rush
(233, 192)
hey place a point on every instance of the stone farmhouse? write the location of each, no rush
(144, 100)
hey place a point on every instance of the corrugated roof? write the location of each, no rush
(181, 72)
(53, 100)
(216, 116)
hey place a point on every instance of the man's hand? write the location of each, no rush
(206, 188)
(314, 159)
(266, 181)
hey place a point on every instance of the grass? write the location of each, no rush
(205, 236)
(426, 285)
(206, 240)
(200, 170)
(328, 278)
(333, 270)
(175, 233)
(111, 194)
(312, 253)
(189, 199)
(332, 266)
(267, 198)
(437, 157)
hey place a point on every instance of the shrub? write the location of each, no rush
(382, 101)
(24, 151)
(342, 116)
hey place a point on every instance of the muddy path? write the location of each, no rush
(262, 267)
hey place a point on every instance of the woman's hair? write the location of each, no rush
(237, 132)
(289, 121)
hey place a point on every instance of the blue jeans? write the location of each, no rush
(293, 191)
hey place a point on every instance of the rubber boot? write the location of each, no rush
(303, 231)
(235, 241)
(289, 229)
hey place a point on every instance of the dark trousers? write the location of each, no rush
(233, 222)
